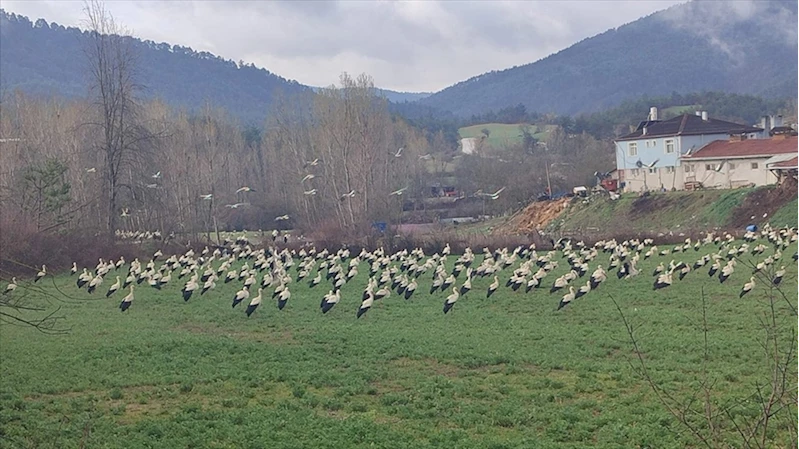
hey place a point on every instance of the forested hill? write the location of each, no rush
(743, 47)
(48, 59)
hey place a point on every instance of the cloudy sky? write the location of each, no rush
(405, 46)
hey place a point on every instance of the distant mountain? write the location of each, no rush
(740, 47)
(48, 59)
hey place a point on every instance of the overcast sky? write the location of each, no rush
(405, 46)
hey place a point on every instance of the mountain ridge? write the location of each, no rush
(723, 55)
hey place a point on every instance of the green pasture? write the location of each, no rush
(505, 372)
(502, 135)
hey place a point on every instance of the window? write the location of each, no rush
(710, 167)
(731, 166)
(634, 172)
(688, 168)
(669, 146)
(669, 169)
(653, 170)
(632, 148)
(654, 143)
(754, 165)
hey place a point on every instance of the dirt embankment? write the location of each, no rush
(535, 216)
(762, 203)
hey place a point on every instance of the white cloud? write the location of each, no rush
(407, 46)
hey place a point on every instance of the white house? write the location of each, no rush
(737, 162)
(649, 157)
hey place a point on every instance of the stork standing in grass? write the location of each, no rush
(42, 273)
(254, 303)
(567, 298)
(747, 287)
(125, 304)
(493, 287)
(11, 286)
(451, 300)
(366, 304)
(114, 287)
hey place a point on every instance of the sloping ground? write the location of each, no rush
(764, 203)
(535, 216)
(680, 212)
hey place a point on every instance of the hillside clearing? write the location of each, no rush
(503, 135)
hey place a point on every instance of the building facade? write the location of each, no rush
(649, 158)
(736, 162)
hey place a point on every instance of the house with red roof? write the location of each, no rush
(649, 157)
(739, 161)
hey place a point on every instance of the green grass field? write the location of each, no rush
(502, 135)
(675, 212)
(504, 372)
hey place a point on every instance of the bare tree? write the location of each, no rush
(123, 140)
(756, 418)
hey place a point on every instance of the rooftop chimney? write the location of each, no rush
(776, 120)
(653, 113)
(704, 116)
(698, 113)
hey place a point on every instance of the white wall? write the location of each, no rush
(729, 177)
(662, 178)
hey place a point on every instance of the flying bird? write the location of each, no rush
(312, 163)
(351, 194)
(245, 189)
(426, 157)
(236, 206)
(91, 170)
(152, 186)
(207, 197)
(493, 196)
(308, 177)
(125, 212)
(310, 192)
(399, 152)
(400, 191)
(282, 218)
(157, 175)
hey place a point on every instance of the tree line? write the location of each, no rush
(114, 161)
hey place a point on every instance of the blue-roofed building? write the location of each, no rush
(649, 157)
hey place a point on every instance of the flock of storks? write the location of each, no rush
(524, 267)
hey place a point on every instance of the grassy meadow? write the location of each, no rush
(502, 135)
(505, 372)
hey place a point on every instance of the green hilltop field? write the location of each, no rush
(502, 135)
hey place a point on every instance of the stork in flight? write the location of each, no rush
(493, 196)
(207, 197)
(400, 191)
(125, 212)
(236, 206)
(245, 189)
(399, 152)
(351, 194)
(156, 175)
(282, 218)
(308, 177)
